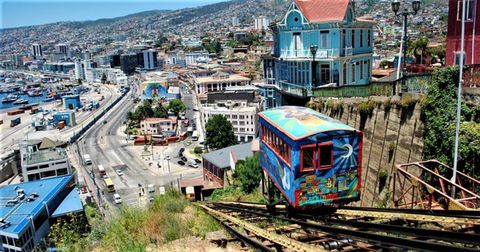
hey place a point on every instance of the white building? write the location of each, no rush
(193, 58)
(155, 126)
(219, 81)
(235, 21)
(43, 159)
(61, 49)
(150, 59)
(261, 23)
(239, 107)
(37, 50)
(79, 72)
(114, 75)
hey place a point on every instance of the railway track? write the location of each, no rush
(344, 230)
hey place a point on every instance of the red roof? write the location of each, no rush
(317, 11)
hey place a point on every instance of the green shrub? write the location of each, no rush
(197, 150)
(365, 108)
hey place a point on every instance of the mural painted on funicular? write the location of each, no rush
(300, 126)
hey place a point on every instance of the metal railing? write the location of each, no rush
(306, 54)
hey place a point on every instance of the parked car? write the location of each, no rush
(198, 161)
(151, 188)
(184, 159)
(119, 172)
(167, 157)
(117, 199)
(193, 164)
(180, 162)
(181, 150)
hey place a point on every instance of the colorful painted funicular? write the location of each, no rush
(311, 158)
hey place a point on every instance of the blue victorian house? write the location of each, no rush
(318, 43)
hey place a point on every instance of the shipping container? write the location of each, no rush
(15, 122)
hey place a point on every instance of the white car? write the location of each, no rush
(117, 199)
(193, 164)
(167, 157)
(151, 188)
(120, 172)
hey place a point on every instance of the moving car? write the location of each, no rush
(117, 199)
(167, 157)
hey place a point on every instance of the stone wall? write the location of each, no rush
(391, 135)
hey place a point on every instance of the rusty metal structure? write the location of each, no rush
(427, 185)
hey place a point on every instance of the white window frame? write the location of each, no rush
(470, 4)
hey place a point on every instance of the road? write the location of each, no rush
(106, 143)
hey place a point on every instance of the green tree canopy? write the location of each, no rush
(219, 133)
(249, 173)
(160, 111)
(177, 106)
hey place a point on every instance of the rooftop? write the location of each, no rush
(300, 122)
(18, 214)
(221, 158)
(317, 11)
(42, 156)
(231, 78)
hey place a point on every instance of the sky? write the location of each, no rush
(17, 13)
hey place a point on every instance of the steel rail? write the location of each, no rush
(375, 238)
(291, 244)
(458, 217)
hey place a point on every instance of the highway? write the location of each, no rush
(107, 145)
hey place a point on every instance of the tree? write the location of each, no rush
(418, 49)
(104, 78)
(219, 133)
(160, 111)
(177, 106)
(248, 173)
(197, 150)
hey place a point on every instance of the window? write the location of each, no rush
(325, 73)
(361, 38)
(297, 43)
(31, 168)
(62, 172)
(353, 72)
(324, 39)
(43, 166)
(344, 38)
(369, 38)
(458, 56)
(48, 174)
(469, 5)
(277, 144)
(308, 159)
(326, 156)
(353, 38)
(361, 71)
(345, 73)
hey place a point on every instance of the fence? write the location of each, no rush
(415, 84)
(97, 117)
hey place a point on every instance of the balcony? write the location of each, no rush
(347, 51)
(291, 88)
(305, 54)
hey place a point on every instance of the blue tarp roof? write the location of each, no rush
(71, 204)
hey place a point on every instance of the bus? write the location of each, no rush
(101, 170)
(195, 136)
(109, 185)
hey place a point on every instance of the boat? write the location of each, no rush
(9, 98)
(20, 101)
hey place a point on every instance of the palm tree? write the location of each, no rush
(418, 48)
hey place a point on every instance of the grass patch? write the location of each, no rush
(235, 194)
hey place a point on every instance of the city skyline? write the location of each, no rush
(17, 14)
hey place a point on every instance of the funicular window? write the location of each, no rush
(308, 159)
(326, 156)
(277, 144)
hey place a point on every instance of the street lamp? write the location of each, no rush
(313, 50)
(405, 13)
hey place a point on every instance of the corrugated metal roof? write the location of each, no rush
(221, 158)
